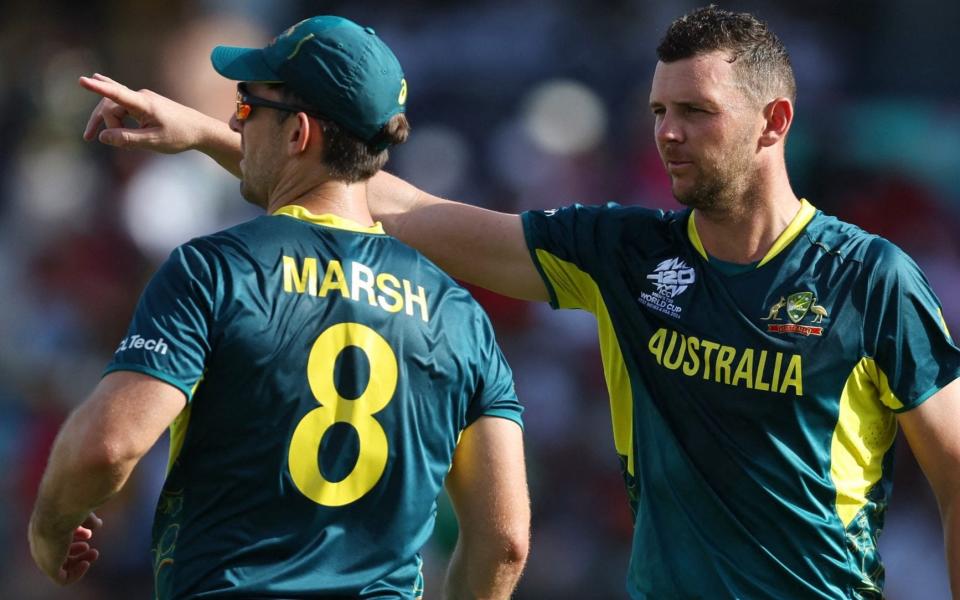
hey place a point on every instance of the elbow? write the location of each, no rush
(487, 566)
(509, 552)
(514, 534)
(505, 549)
(515, 549)
(107, 460)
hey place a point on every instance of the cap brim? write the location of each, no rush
(242, 64)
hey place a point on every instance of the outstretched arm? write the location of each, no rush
(92, 457)
(476, 245)
(488, 487)
(933, 430)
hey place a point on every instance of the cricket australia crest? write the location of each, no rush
(797, 306)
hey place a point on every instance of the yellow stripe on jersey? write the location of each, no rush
(576, 289)
(178, 432)
(178, 429)
(943, 324)
(695, 237)
(796, 226)
(327, 220)
(864, 433)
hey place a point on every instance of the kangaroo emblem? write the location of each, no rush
(818, 310)
(775, 310)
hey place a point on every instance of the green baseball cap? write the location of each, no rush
(339, 68)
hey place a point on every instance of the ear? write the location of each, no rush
(302, 134)
(778, 115)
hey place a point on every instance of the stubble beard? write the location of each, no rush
(252, 185)
(719, 190)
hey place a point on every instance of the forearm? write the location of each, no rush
(80, 477)
(482, 573)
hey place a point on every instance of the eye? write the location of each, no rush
(658, 110)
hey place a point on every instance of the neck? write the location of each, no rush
(746, 230)
(345, 200)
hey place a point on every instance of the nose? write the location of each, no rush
(236, 125)
(667, 129)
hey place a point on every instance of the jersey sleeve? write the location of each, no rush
(562, 243)
(169, 335)
(495, 395)
(905, 332)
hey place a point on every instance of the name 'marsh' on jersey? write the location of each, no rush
(385, 290)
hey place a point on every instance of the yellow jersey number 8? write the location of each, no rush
(334, 408)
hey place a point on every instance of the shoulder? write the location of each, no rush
(877, 257)
(239, 239)
(428, 272)
(846, 240)
(254, 231)
(611, 212)
(605, 223)
(200, 259)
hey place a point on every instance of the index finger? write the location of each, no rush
(119, 93)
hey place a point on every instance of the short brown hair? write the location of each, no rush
(760, 57)
(350, 159)
(347, 157)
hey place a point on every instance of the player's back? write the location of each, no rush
(340, 368)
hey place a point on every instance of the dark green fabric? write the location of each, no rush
(736, 385)
(231, 520)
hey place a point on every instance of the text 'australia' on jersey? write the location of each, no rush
(330, 370)
(753, 407)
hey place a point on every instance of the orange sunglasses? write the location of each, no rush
(246, 101)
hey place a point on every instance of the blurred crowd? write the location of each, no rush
(515, 105)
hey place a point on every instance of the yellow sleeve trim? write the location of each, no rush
(576, 289)
(863, 435)
(178, 429)
(178, 433)
(943, 324)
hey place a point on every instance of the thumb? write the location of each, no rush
(92, 521)
(124, 138)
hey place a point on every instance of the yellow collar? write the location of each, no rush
(326, 219)
(802, 218)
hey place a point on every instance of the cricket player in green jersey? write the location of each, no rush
(759, 354)
(322, 380)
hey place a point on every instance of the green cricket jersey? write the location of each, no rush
(754, 412)
(330, 370)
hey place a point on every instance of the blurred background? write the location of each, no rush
(515, 105)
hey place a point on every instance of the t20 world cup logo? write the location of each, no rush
(672, 277)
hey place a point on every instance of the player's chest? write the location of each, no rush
(765, 317)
